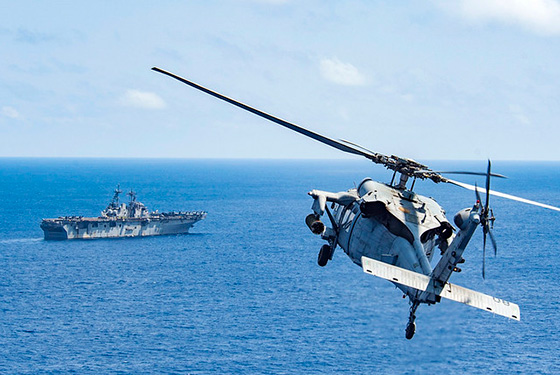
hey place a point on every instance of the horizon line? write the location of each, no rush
(251, 158)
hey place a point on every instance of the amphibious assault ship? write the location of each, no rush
(121, 220)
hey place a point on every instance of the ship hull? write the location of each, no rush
(61, 229)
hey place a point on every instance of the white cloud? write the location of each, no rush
(539, 16)
(10, 112)
(519, 115)
(142, 99)
(341, 73)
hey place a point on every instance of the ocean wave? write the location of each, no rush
(21, 240)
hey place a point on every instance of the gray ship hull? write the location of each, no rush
(121, 220)
(92, 228)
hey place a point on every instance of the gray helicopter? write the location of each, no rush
(392, 232)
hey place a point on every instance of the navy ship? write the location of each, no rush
(121, 220)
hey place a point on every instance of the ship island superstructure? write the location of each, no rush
(121, 220)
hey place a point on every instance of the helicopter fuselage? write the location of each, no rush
(380, 222)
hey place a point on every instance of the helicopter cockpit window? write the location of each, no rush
(346, 217)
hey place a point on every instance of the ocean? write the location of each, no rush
(242, 293)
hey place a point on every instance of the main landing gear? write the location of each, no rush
(324, 255)
(411, 326)
(316, 226)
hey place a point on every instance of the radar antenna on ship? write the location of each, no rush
(132, 195)
(115, 201)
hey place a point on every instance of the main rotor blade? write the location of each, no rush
(356, 145)
(467, 172)
(296, 128)
(503, 195)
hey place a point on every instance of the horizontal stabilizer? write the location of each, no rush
(450, 291)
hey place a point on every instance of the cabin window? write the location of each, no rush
(377, 210)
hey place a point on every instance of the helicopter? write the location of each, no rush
(392, 232)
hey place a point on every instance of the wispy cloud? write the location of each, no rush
(33, 37)
(519, 115)
(341, 73)
(10, 112)
(539, 16)
(142, 99)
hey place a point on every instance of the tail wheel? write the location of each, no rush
(324, 255)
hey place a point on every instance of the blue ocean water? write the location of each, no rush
(242, 294)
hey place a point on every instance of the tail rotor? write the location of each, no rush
(487, 219)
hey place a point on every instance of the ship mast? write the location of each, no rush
(115, 202)
(132, 195)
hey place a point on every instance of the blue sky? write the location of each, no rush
(457, 79)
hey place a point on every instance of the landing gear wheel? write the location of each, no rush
(410, 330)
(324, 255)
(411, 326)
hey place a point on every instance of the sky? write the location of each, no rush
(427, 80)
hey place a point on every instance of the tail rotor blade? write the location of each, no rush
(484, 255)
(493, 240)
(477, 193)
(487, 189)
